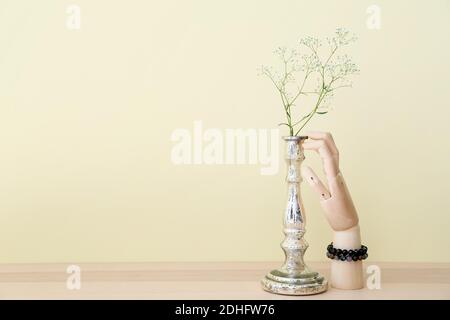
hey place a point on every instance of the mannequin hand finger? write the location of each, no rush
(310, 176)
(320, 146)
(327, 137)
(330, 161)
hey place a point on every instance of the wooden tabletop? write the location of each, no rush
(206, 280)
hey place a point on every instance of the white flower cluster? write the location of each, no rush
(340, 67)
(311, 63)
(331, 73)
(311, 42)
(342, 37)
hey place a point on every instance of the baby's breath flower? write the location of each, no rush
(298, 69)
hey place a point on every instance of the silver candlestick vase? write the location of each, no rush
(294, 277)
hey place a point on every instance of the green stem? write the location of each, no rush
(313, 112)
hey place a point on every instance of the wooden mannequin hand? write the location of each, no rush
(335, 200)
(338, 207)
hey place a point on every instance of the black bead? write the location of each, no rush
(346, 255)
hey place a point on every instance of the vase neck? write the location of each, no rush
(294, 149)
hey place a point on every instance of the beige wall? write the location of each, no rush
(86, 118)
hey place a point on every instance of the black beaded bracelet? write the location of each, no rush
(346, 255)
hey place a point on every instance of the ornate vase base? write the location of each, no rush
(297, 284)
